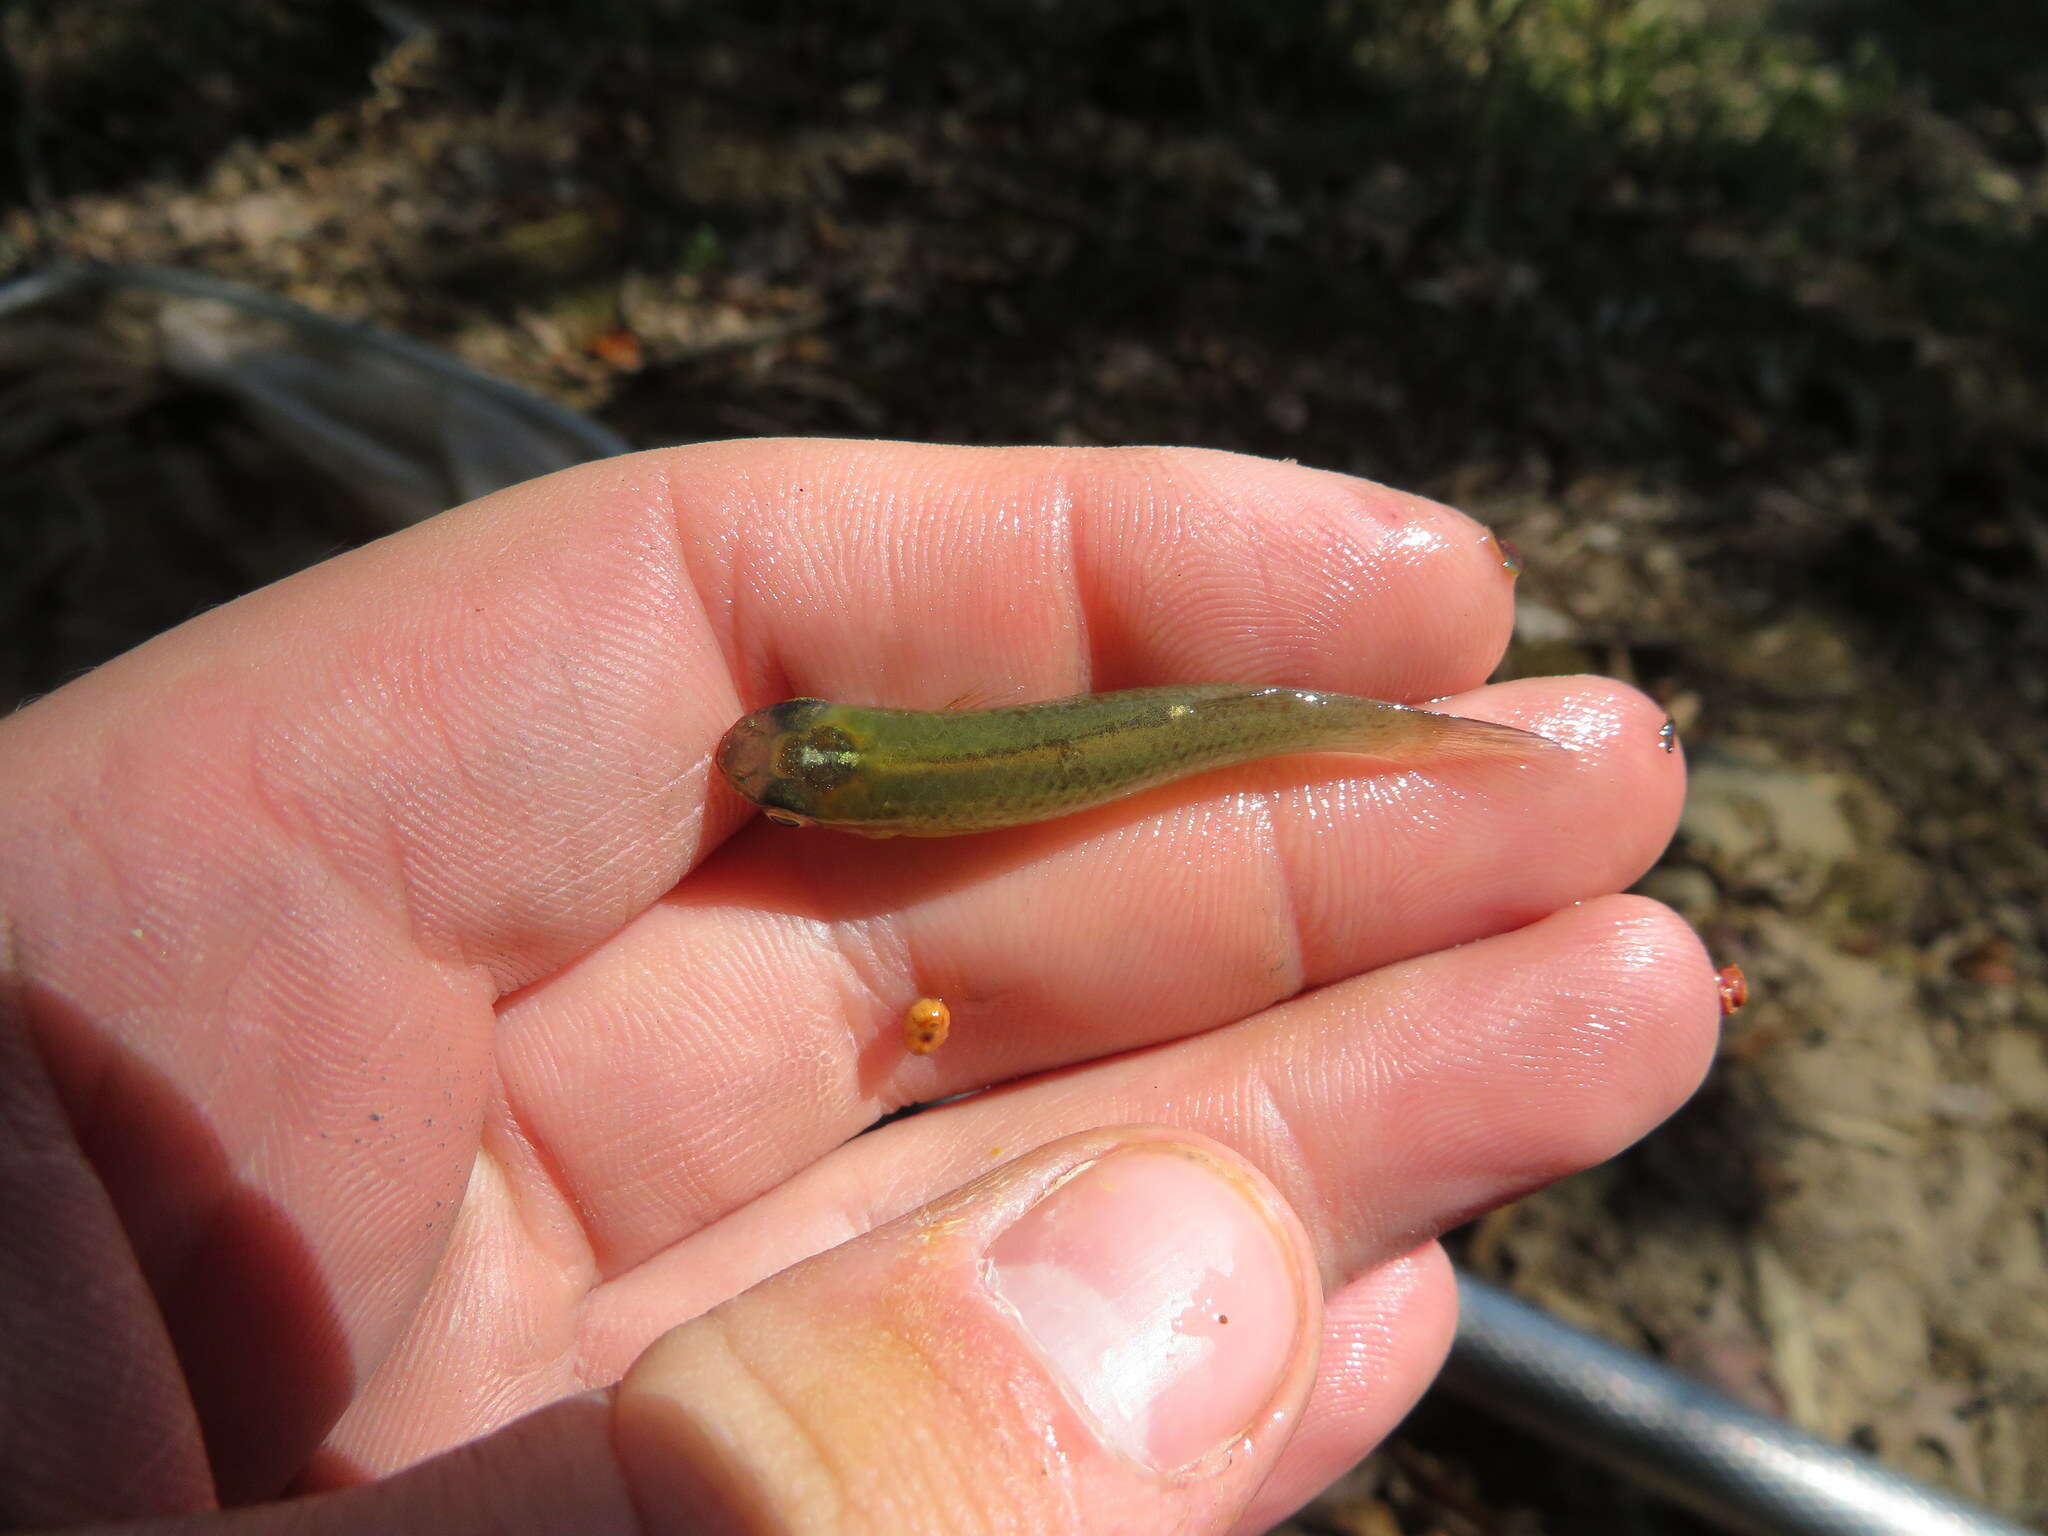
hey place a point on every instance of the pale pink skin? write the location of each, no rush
(442, 1032)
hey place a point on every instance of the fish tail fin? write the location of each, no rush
(1460, 739)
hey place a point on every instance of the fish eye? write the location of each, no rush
(794, 714)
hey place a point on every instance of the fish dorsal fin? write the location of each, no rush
(984, 696)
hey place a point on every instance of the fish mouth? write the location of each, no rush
(746, 754)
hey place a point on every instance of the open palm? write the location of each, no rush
(407, 1028)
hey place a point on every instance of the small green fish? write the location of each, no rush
(932, 773)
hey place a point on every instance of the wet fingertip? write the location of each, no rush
(1585, 714)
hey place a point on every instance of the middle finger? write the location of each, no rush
(777, 977)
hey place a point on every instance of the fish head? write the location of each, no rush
(786, 758)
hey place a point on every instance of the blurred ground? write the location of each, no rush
(1730, 314)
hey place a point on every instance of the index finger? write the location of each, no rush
(499, 723)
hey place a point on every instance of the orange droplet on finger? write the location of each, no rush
(1733, 987)
(925, 1023)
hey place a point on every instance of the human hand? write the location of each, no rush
(404, 1031)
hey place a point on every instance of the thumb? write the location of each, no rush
(1113, 1333)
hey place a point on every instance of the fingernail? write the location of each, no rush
(1161, 1294)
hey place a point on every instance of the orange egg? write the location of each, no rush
(925, 1023)
(1733, 986)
